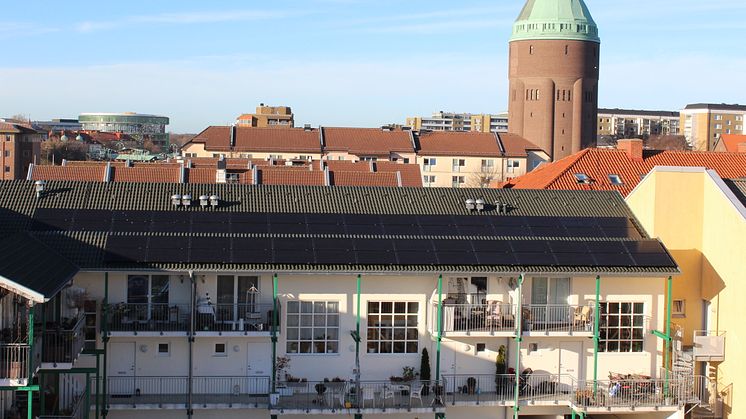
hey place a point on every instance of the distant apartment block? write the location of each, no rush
(141, 127)
(19, 147)
(630, 123)
(58, 124)
(449, 121)
(704, 123)
(268, 117)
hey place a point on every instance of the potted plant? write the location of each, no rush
(501, 369)
(282, 363)
(471, 385)
(425, 372)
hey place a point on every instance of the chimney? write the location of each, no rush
(233, 136)
(632, 147)
(221, 174)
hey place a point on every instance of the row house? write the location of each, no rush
(273, 301)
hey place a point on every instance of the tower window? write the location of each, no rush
(567, 49)
(531, 50)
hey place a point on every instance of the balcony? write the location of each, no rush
(341, 397)
(62, 343)
(499, 390)
(557, 320)
(709, 346)
(127, 319)
(14, 364)
(250, 319)
(489, 319)
(640, 394)
(173, 392)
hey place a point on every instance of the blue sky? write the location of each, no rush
(341, 62)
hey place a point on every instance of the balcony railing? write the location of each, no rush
(243, 318)
(635, 393)
(709, 346)
(75, 411)
(352, 396)
(14, 360)
(560, 318)
(467, 389)
(63, 344)
(467, 318)
(132, 392)
(143, 317)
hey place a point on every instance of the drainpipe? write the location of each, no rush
(42, 401)
(29, 393)
(105, 339)
(357, 348)
(190, 340)
(596, 334)
(439, 325)
(518, 339)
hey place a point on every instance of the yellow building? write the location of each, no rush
(450, 121)
(703, 123)
(268, 117)
(701, 219)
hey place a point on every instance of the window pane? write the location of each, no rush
(306, 307)
(387, 307)
(137, 289)
(292, 333)
(372, 347)
(411, 347)
(332, 320)
(332, 347)
(225, 289)
(159, 289)
(332, 307)
(399, 347)
(373, 307)
(413, 307)
(400, 307)
(332, 333)
(385, 347)
(399, 334)
(305, 347)
(292, 306)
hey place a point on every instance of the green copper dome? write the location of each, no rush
(555, 19)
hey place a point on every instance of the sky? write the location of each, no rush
(341, 62)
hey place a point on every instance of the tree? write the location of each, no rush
(54, 151)
(425, 371)
(667, 142)
(484, 177)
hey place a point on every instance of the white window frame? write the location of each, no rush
(622, 328)
(224, 353)
(393, 327)
(457, 181)
(615, 179)
(302, 315)
(168, 349)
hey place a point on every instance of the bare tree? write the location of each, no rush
(667, 142)
(484, 177)
(54, 151)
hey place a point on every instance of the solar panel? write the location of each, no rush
(402, 229)
(509, 221)
(282, 256)
(536, 246)
(125, 249)
(491, 246)
(652, 260)
(251, 255)
(453, 245)
(379, 245)
(574, 259)
(613, 259)
(548, 231)
(326, 229)
(50, 219)
(606, 247)
(495, 258)
(560, 246)
(446, 257)
(366, 257)
(251, 243)
(292, 244)
(412, 245)
(335, 257)
(416, 258)
(333, 244)
(534, 258)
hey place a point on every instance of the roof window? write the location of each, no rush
(615, 180)
(582, 178)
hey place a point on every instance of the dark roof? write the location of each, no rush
(738, 186)
(717, 106)
(134, 226)
(637, 112)
(33, 266)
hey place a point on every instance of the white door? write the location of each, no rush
(258, 367)
(570, 367)
(122, 368)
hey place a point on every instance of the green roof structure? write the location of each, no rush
(555, 19)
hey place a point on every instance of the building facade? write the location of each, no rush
(20, 146)
(449, 121)
(554, 60)
(268, 117)
(629, 123)
(138, 126)
(283, 301)
(704, 123)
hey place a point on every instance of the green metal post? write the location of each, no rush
(98, 383)
(439, 327)
(30, 393)
(42, 398)
(518, 339)
(87, 395)
(105, 340)
(574, 415)
(274, 333)
(357, 347)
(596, 334)
(667, 355)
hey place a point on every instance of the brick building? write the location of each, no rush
(19, 147)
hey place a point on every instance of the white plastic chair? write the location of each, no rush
(416, 394)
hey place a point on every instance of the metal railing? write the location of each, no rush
(143, 317)
(76, 410)
(230, 390)
(491, 388)
(63, 345)
(333, 396)
(234, 318)
(14, 361)
(557, 318)
(159, 391)
(641, 392)
(467, 318)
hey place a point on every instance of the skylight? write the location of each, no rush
(615, 180)
(582, 178)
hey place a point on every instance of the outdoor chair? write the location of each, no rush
(416, 394)
(582, 316)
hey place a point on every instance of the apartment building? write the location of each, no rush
(706, 238)
(299, 144)
(450, 121)
(141, 127)
(368, 144)
(268, 117)
(476, 160)
(703, 123)
(268, 301)
(20, 146)
(630, 123)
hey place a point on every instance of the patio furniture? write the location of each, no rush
(582, 316)
(416, 394)
(369, 393)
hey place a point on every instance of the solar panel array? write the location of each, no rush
(336, 224)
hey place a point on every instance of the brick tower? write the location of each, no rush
(554, 56)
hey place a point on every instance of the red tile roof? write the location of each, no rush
(169, 174)
(367, 141)
(410, 173)
(291, 177)
(598, 164)
(731, 141)
(292, 140)
(6, 127)
(201, 175)
(364, 179)
(349, 166)
(83, 173)
(477, 144)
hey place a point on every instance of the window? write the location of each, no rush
(237, 295)
(428, 179)
(457, 181)
(512, 165)
(232, 177)
(718, 126)
(7, 153)
(615, 180)
(531, 49)
(164, 349)
(718, 117)
(739, 127)
(149, 292)
(622, 327)
(488, 164)
(217, 155)
(406, 160)
(313, 327)
(429, 163)
(275, 156)
(481, 347)
(567, 49)
(582, 178)
(458, 164)
(220, 349)
(368, 158)
(679, 308)
(739, 118)
(392, 327)
(7, 169)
